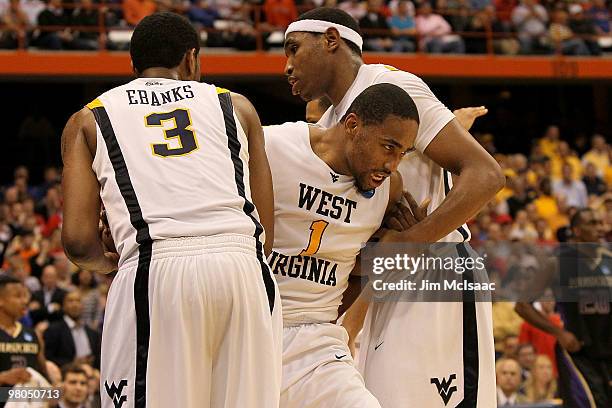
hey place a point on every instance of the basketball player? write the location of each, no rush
(20, 347)
(426, 344)
(584, 343)
(193, 315)
(316, 108)
(332, 189)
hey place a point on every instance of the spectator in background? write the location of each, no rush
(456, 12)
(600, 15)
(598, 155)
(508, 378)
(574, 191)
(69, 340)
(544, 343)
(565, 155)
(530, 19)
(435, 32)
(280, 13)
(88, 289)
(32, 9)
(593, 183)
(47, 303)
(549, 143)
(525, 356)
(403, 27)
(136, 10)
(375, 20)
(354, 8)
(521, 195)
(201, 13)
(584, 26)
(93, 389)
(563, 37)
(75, 387)
(522, 229)
(504, 10)
(541, 385)
(16, 24)
(511, 345)
(86, 16)
(53, 15)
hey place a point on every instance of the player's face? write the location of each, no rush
(590, 228)
(375, 151)
(306, 68)
(14, 299)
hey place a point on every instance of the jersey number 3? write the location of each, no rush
(185, 137)
(317, 228)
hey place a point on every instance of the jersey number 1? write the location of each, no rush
(181, 130)
(316, 234)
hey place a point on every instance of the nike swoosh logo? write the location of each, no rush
(376, 348)
(339, 357)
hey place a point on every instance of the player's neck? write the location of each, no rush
(328, 144)
(7, 323)
(343, 80)
(160, 72)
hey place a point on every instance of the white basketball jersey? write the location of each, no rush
(171, 155)
(321, 221)
(422, 177)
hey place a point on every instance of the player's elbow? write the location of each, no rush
(520, 308)
(494, 176)
(78, 249)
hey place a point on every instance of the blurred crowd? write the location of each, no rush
(572, 27)
(543, 190)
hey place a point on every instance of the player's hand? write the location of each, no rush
(105, 233)
(403, 217)
(568, 341)
(467, 116)
(14, 376)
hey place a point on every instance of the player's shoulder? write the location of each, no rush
(285, 130)
(406, 80)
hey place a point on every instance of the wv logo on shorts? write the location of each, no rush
(115, 392)
(444, 388)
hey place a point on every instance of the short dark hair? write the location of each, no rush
(576, 219)
(7, 280)
(161, 40)
(525, 345)
(337, 16)
(73, 368)
(376, 102)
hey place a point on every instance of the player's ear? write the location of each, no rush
(134, 69)
(191, 60)
(332, 39)
(351, 125)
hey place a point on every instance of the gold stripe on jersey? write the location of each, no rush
(96, 103)
(391, 68)
(222, 90)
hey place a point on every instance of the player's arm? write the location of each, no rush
(80, 233)
(479, 178)
(531, 315)
(356, 305)
(259, 169)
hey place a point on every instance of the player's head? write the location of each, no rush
(380, 126)
(14, 297)
(316, 108)
(586, 226)
(166, 40)
(320, 43)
